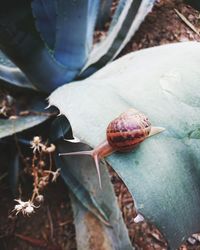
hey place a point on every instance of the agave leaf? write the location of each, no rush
(60, 129)
(73, 183)
(103, 13)
(4, 60)
(74, 34)
(120, 7)
(91, 202)
(20, 41)
(11, 77)
(85, 201)
(92, 234)
(9, 127)
(163, 173)
(45, 18)
(129, 16)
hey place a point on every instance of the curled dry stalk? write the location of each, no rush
(42, 173)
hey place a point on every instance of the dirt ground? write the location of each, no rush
(52, 226)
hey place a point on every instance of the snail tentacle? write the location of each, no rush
(96, 160)
(77, 153)
(94, 155)
(102, 150)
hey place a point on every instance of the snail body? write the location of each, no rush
(123, 134)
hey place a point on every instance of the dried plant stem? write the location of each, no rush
(35, 177)
(41, 171)
(187, 22)
(50, 162)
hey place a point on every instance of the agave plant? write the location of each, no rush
(51, 44)
(45, 44)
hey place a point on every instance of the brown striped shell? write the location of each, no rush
(127, 130)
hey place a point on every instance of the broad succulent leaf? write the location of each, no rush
(74, 184)
(104, 13)
(129, 15)
(74, 34)
(21, 42)
(12, 77)
(89, 202)
(61, 129)
(9, 127)
(162, 173)
(45, 19)
(115, 18)
(4, 60)
(36, 105)
(54, 54)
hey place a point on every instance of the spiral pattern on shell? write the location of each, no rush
(127, 130)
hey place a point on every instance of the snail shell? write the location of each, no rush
(128, 130)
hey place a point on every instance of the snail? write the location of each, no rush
(123, 134)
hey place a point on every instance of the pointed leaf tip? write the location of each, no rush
(74, 140)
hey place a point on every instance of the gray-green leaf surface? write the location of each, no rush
(163, 173)
(12, 77)
(9, 127)
(91, 202)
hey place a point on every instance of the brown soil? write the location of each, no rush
(164, 26)
(51, 227)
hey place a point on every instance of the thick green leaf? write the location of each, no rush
(5, 61)
(11, 126)
(76, 18)
(129, 16)
(21, 42)
(104, 13)
(163, 173)
(79, 173)
(12, 77)
(60, 129)
(92, 234)
(45, 20)
(86, 203)
(73, 183)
